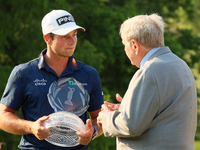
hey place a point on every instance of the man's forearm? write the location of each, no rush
(11, 123)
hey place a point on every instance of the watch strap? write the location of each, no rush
(95, 132)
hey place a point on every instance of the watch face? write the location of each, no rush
(68, 94)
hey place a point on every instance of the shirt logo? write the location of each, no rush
(74, 83)
(74, 62)
(64, 19)
(40, 82)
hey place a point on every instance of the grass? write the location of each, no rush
(197, 145)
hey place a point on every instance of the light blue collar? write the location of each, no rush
(146, 57)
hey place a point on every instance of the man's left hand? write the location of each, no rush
(86, 136)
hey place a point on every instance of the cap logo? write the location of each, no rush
(64, 19)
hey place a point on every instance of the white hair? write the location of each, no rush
(148, 30)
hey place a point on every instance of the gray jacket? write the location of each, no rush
(159, 108)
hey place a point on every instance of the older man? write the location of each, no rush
(159, 108)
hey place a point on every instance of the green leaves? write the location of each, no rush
(88, 54)
(100, 46)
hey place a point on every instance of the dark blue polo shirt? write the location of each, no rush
(28, 86)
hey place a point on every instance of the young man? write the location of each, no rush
(159, 108)
(28, 86)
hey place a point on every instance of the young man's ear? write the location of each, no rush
(136, 46)
(47, 39)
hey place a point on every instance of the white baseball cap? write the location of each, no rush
(59, 22)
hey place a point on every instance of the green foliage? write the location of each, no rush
(11, 140)
(5, 72)
(102, 143)
(91, 55)
(197, 145)
(100, 46)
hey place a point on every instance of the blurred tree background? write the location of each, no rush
(100, 46)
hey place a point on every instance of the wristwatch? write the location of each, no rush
(95, 133)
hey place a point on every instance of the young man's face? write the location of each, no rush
(64, 45)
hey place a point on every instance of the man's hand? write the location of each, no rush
(2, 144)
(86, 136)
(11, 123)
(112, 106)
(106, 107)
(39, 130)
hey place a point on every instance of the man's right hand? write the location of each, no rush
(39, 130)
(11, 123)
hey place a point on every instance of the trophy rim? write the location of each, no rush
(78, 126)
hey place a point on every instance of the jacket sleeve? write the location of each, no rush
(138, 108)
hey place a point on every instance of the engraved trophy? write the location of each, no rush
(69, 100)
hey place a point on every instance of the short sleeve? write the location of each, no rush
(13, 93)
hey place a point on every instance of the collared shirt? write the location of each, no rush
(146, 57)
(28, 86)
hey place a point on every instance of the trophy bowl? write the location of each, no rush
(63, 126)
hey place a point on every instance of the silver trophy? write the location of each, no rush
(69, 100)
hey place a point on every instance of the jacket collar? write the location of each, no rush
(161, 51)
